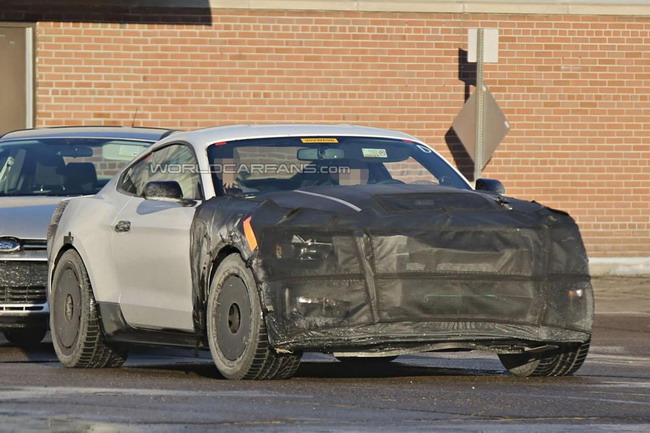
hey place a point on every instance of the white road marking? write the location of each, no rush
(597, 358)
(593, 399)
(37, 392)
(622, 313)
(634, 383)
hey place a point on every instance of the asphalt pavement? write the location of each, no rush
(174, 391)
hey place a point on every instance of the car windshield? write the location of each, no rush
(259, 166)
(62, 166)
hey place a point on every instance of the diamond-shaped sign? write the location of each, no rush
(496, 126)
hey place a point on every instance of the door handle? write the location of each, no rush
(123, 226)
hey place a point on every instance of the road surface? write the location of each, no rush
(171, 390)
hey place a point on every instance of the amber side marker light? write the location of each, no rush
(250, 234)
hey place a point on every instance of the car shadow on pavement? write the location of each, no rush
(382, 370)
(331, 370)
(42, 352)
(339, 370)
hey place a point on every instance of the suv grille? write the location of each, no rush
(23, 282)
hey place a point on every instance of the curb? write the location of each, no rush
(619, 266)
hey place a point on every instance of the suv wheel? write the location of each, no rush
(74, 320)
(559, 362)
(26, 337)
(236, 329)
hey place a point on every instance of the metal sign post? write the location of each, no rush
(480, 125)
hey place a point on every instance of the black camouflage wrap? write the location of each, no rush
(408, 266)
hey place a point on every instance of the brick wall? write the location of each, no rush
(576, 90)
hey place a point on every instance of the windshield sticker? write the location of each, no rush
(127, 151)
(319, 140)
(374, 153)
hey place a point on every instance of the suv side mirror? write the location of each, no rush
(490, 185)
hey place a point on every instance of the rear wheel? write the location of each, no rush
(25, 337)
(563, 361)
(74, 320)
(236, 329)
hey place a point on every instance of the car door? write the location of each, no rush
(151, 242)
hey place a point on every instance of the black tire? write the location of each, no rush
(26, 337)
(563, 361)
(366, 359)
(74, 321)
(236, 330)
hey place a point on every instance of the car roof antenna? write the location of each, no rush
(135, 115)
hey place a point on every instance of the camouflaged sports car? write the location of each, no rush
(264, 242)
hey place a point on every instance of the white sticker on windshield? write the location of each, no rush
(374, 153)
(127, 151)
(424, 149)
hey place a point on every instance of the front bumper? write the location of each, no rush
(23, 288)
(341, 317)
(410, 337)
(31, 320)
(383, 291)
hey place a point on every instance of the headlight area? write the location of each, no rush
(304, 250)
(309, 254)
(315, 278)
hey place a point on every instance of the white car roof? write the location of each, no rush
(202, 138)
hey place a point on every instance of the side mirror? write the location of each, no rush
(168, 190)
(490, 185)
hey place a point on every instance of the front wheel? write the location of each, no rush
(236, 329)
(563, 361)
(26, 337)
(74, 320)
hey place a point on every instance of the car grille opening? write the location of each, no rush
(23, 282)
(34, 245)
(22, 295)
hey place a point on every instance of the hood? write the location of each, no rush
(26, 217)
(398, 200)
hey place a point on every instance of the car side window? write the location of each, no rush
(136, 177)
(177, 163)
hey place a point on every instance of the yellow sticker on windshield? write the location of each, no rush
(319, 140)
(374, 153)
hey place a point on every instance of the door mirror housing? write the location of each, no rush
(168, 190)
(490, 185)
